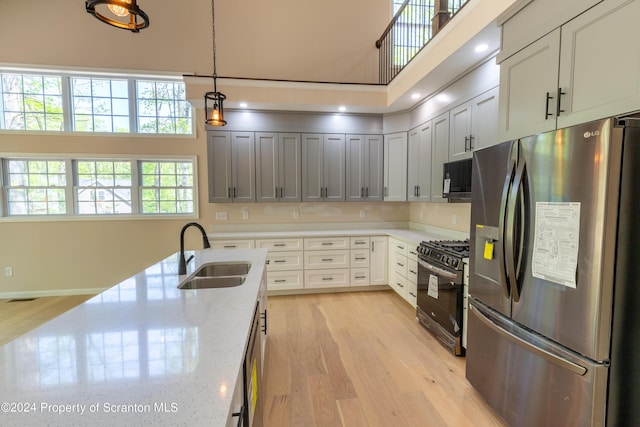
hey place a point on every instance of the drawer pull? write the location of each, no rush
(360, 258)
(229, 246)
(361, 277)
(361, 242)
(401, 285)
(327, 278)
(279, 260)
(413, 272)
(279, 245)
(327, 243)
(399, 247)
(280, 280)
(327, 259)
(401, 265)
(413, 253)
(412, 294)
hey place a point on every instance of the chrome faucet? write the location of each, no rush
(182, 267)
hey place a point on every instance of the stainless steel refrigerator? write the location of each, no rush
(554, 317)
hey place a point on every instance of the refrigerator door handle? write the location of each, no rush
(513, 254)
(563, 363)
(504, 209)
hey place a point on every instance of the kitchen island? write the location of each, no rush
(140, 353)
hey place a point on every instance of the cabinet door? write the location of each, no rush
(374, 170)
(600, 63)
(439, 155)
(356, 166)
(526, 80)
(460, 132)
(334, 168)
(378, 260)
(219, 166)
(243, 169)
(312, 157)
(289, 167)
(424, 168)
(267, 167)
(484, 120)
(395, 167)
(413, 165)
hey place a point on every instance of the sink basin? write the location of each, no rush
(213, 282)
(217, 269)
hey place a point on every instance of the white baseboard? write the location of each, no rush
(51, 293)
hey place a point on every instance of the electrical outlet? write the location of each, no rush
(362, 213)
(296, 214)
(454, 219)
(245, 214)
(222, 216)
(8, 271)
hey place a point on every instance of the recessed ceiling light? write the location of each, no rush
(415, 96)
(342, 108)
(481, 48)
(243, 105)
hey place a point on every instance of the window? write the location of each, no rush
(162, 107)
(100, 105)
(36, 187)
(104, 187)
(89, 187)
(31, 102)
(167, 187)
(112, 104)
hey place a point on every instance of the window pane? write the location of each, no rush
(164, 187)
(24, 102)
(97, 103)
(102, 191)
(165, 100)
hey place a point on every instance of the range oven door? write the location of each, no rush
(440, 296)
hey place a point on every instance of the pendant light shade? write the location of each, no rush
(213, 101)
(123, 14)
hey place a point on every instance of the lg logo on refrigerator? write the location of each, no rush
(588, 134)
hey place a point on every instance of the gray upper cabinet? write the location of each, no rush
(364, 168)
(231, 163)
(323, 170)
(419, 163)
(439, 155)
(395, 167)
(579, 72)
(278, 167)
(473, 125)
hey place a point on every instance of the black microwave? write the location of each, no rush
(456, 180)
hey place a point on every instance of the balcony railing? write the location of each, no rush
(415, 23)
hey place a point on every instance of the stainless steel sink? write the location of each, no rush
(217, 269)
(218, 275)
(213, 282)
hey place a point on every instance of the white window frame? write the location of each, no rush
(70, 189)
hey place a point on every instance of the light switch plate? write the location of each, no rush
(222, 216)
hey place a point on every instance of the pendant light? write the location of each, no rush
(123, 14)
(213, 108)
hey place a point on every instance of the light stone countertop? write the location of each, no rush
(408, 235)
(171, 356)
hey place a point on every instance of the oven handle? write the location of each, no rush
(439, 271)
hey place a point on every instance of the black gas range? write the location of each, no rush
(440, 290)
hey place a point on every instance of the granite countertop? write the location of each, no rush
(141, 353)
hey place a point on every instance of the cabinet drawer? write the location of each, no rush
(360, 277)
(400, 265)
(278, 261)
(412, 253)
(359, 258)
(399, 284)
(280, 244)
(398, 247)
(283, 280)
(326, 259)
(359, 243)
(412, 293)
(232, 244)
(330, 278)
(412, 270)
(320, 243)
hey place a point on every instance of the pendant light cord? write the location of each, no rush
(213, 25)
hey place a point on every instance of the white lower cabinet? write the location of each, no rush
(403, 269)
(232, 244)
(285, 263)
(326, 278)
(378, 261)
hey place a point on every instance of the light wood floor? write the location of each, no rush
(361, 359)
(19, 317)
(340, 359)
